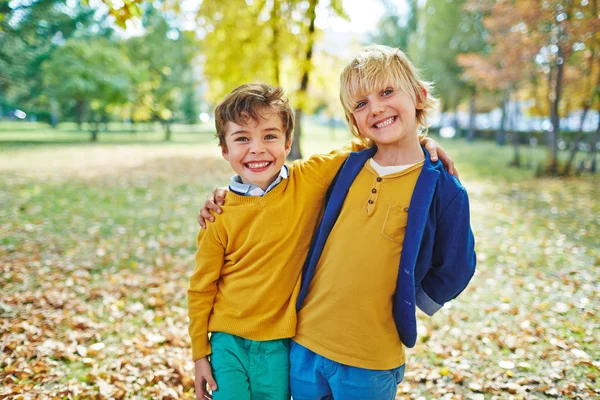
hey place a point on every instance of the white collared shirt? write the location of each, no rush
(249, 189)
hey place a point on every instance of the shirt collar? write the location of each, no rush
(249, 189)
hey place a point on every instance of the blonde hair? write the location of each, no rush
(375, 68)
(251, 101)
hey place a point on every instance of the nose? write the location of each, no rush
(377, 107)
(257, 147)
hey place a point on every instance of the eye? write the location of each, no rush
(387, 92)
(360, 105)
(270, 136)
(241, 139)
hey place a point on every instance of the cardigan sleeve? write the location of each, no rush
(453, 259)
(203, 289)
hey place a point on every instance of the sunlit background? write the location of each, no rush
(107, 152)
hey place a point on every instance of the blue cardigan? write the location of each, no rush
(438, 255)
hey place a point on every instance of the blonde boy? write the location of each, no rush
(395, 234)
(248, 265)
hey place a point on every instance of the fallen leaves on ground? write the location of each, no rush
(95, 270)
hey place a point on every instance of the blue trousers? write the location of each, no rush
(314, 377)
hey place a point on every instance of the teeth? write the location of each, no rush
(258, 164)
(385, 123)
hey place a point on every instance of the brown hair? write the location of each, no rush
(375, 68)
(250, 101)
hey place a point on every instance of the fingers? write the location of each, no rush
(432, 148)
(211, 205)
(201, 392)
(219, 195)
(201, 221)
(206, 212)
(449, 164)
(211, 382)
(433, 154)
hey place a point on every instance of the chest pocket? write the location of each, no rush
(394, 226)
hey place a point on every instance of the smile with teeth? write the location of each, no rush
(387, 122)
(258, 164)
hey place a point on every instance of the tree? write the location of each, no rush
(501, 66)
(93, 73)
(163, 59)
(30, 32)
(392, 29)
(446, 31)
(256, 41)
(550, 34)
(587, 29)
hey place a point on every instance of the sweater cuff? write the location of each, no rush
(426, 303)
(200, 349)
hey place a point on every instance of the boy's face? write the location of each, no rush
(387, 117)
(257, 150)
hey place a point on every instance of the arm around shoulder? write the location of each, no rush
(453, 259)
(323, 167)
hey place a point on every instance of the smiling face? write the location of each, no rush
(387, 116)
(256, 149)
(390, 86)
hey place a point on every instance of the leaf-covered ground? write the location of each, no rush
(97, 244)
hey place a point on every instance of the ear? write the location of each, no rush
(288, 147)
(421, 98)
(224, 153)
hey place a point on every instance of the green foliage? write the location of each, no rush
(246, 43)
(92, 71)
(31, 31)
(447, 30)
(393, 30)
(163, 62)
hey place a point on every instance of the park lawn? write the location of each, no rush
(97, 244)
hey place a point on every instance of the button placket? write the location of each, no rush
(372, 200)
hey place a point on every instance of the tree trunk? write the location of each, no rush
(105, 120)
(167, 125)
(79, 110)
(296, 153)
(516, 138)
(275, 42)
(553, 135)
(593, 143)
(455, 123)
(95, 130)
(575, 145)
(53, 114)
(501, 134)
(471, 132)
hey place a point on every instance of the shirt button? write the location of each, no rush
(370, 201)
(374, 191)
(379, 179)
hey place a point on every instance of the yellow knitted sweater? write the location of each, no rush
(249, 261)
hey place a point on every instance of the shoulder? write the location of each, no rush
(449, 190)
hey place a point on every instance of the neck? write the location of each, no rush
(400, 153)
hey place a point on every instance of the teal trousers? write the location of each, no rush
(250, 370)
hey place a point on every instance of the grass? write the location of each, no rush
(97, 243)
